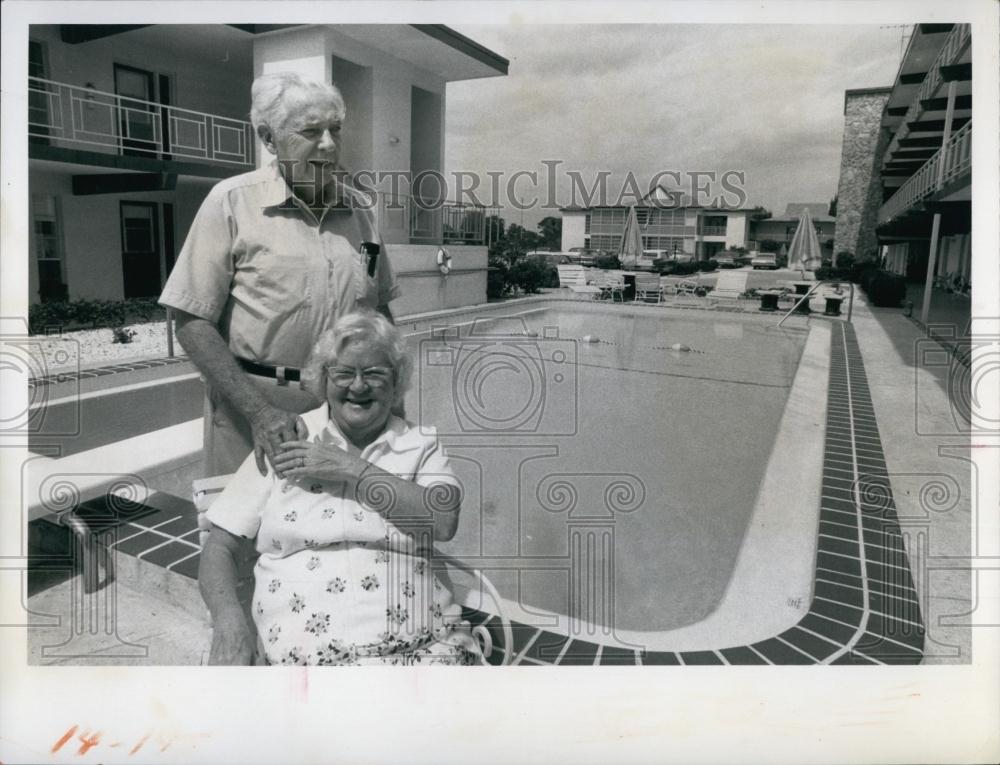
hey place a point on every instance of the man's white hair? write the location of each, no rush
(271, 97)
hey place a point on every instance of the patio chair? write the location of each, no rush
(648, 286)
(574, 278)
(610, 284)
(206, 490)
(731, 286)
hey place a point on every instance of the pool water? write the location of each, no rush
(610, 481)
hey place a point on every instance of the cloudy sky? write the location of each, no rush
(764, 100)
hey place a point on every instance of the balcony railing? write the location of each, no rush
(426, 222)
(957, 39)
(950, 162)
(76, 117)
(713, 230)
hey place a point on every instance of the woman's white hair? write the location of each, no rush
(272, 94)
(362, 325)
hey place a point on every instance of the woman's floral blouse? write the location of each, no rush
(335, 582)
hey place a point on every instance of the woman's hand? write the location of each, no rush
(326, 462)
(232, 642)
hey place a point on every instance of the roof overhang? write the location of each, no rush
(434, 47)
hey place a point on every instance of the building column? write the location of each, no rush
(931, 263)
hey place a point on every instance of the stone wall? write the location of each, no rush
(859, 193)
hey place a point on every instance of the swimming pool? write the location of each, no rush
(691, 487)
(609, 484)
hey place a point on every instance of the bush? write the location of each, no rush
(530, 274)
(665, 266)
(707, 265)
(859, 268)
(122, 335)
(65, 315)
(607, 262)
(685, 267)
(828, 274)
(885, 288)
(496, 281)
(845, 259)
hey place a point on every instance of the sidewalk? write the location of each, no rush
(928, 458)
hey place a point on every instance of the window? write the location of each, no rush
(48, 248)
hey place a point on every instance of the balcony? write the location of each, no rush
(953, 47)
(71, 117)
(408, 220)
(713, 230)
(949, 164)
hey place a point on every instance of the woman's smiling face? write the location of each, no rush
(362, 406)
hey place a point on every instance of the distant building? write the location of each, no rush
(920, 157)
(782, 229)
(667, 222)
(130, 126)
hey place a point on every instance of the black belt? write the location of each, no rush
(281, 374)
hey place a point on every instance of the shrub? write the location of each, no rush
(65, 315)
(607, 262)
(861, 267)
(707, 265)
(885, 288)
(530, 274)
(496, 281)
(685, 267)
(664, 266)
(828, 273)
(122, 335)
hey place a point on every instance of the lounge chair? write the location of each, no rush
(574, 278)
(731, 286)
(648, 286)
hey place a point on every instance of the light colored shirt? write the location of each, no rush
(334, 576)
(250, 499)
(272, 274)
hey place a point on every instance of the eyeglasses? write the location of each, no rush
(373, 377)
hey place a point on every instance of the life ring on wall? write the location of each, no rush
(444, 261)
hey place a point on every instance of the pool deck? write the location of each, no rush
(926, 459)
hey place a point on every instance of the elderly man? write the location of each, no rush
(273, 258)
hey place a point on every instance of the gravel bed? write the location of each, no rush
(85, 349)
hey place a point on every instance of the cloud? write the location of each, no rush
(767, 100)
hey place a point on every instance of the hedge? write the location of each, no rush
(66, 315)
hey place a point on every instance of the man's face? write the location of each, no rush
(310, 137)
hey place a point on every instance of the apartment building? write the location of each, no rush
(129, 126)
(906, 170)
(667, 221)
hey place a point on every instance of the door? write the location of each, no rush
(138, 117)
(140, 249)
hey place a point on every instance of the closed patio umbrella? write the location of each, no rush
(630, 249)
(804, 252)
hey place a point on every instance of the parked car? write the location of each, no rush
(726, 260)
(766, 260)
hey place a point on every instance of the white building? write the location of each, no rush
(667, 223)
(129, 127)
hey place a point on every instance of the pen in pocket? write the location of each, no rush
(370, 250)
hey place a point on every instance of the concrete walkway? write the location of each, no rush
(917, 392)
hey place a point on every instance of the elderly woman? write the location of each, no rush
(343, 523)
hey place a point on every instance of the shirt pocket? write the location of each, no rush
(366, 287)
(282, 283)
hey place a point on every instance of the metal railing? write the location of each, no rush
(712, 231)
(432, 222)
(85, 117)
(804, 298)
(950, 162)
(953, 46)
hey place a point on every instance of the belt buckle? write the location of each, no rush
(279, 373)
